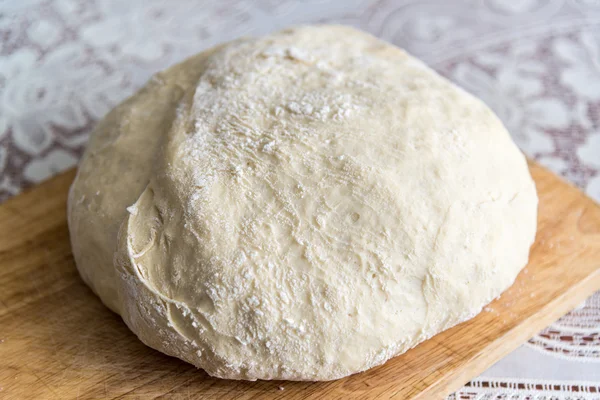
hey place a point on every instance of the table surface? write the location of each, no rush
(65, 63)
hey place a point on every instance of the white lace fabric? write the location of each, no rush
(65, 63)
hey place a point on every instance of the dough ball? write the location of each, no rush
(301, 206)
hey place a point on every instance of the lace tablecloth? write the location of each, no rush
(65, 63)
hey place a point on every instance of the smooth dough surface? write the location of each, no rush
(300, 206)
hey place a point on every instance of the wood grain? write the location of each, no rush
(57, 341)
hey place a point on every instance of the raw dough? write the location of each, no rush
(301, 206)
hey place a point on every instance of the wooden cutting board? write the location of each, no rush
(57, 341)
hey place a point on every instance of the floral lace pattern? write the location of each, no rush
(65, 63)
(522, 389)
(576, 335)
